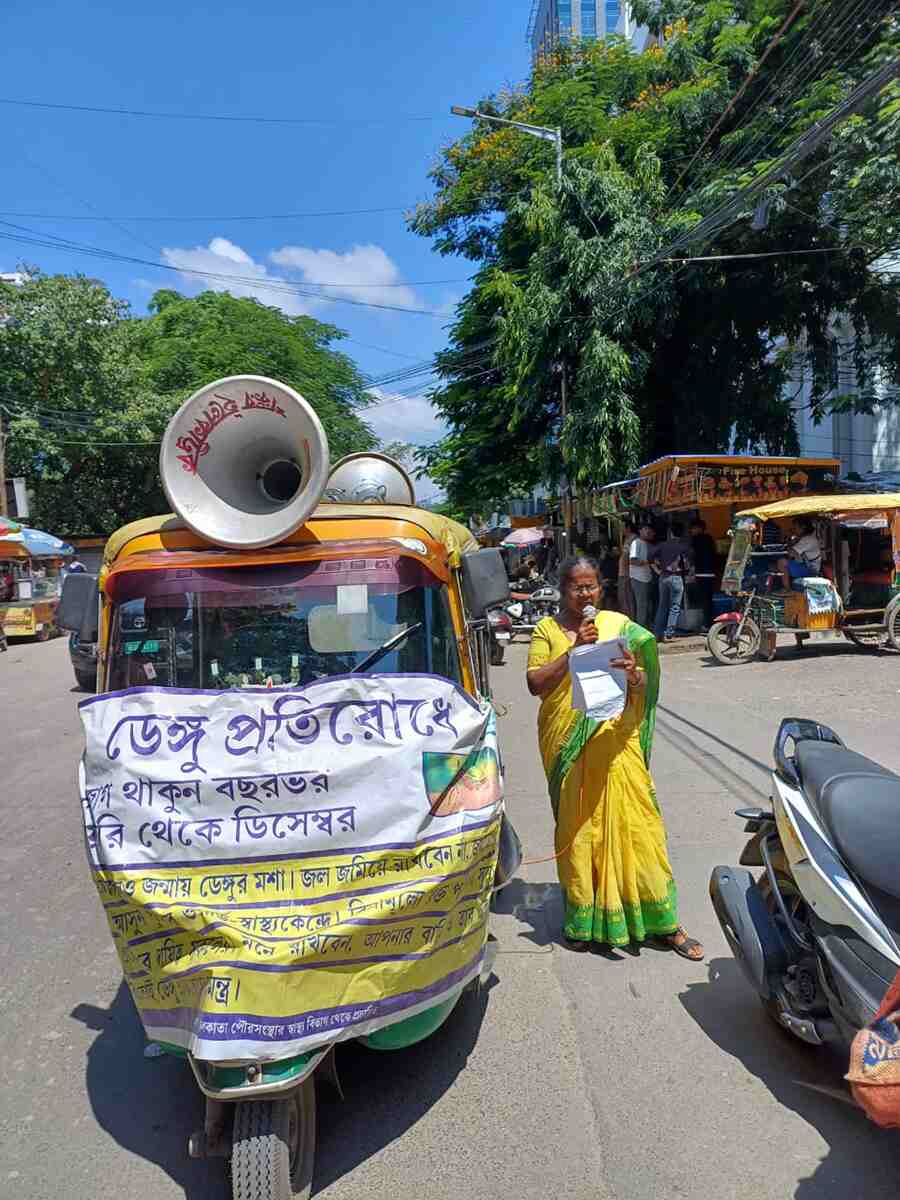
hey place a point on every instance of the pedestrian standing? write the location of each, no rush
(704, 551)
(627, 603)
(640, 575)
(610, 839)
(671, 561)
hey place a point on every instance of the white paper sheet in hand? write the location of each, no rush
(598, 689)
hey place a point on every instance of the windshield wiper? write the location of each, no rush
(371, 659)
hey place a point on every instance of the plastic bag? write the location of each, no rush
(874, 1074)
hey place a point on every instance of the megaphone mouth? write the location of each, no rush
(244, 461)
(280, 480)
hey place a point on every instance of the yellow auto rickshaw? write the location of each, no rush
(291, 785)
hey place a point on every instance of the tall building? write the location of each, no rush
(555, 21)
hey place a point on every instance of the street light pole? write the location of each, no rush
(545, 134)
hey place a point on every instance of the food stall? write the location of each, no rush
(32, 565)
(712, 487)
(715, 485)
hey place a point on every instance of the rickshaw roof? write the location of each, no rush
(804, 506)
(449, 533)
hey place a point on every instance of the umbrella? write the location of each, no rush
(523, 537)
(8, 527)
(44, 545)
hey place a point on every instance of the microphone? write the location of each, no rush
(588, 612)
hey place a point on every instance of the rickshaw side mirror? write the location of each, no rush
(484, 580)
(78, 609)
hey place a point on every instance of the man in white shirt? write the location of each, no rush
(805, 555)
(641, 576)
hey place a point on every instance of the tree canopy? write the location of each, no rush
(187, 342)
(576, 294)
(87, 389)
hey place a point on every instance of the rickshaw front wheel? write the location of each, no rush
(729, 649)
(274, 1146)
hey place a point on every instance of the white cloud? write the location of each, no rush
(404, 419)
(359, 273)
(222, 257)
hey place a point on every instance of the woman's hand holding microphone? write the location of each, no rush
(587, 631)
(587, 636)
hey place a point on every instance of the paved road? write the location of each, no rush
(583, 1076)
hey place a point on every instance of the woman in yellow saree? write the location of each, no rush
(610, 839)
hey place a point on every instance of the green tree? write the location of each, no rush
(87, 390)
(188, 342)
(72, 394)
(667, 356)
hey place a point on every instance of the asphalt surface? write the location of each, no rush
(586, 1076)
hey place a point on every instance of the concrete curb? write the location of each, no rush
(684, 645)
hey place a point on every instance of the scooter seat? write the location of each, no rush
(858, 801)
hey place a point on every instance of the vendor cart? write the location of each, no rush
(856, 596)
(32, 564)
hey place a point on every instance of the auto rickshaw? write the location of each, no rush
(856, 595)
(291, 786)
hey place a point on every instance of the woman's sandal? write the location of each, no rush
(573, 944)
(685, 946)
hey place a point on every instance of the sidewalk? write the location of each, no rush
(685, 644)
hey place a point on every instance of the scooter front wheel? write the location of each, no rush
(274, 1146)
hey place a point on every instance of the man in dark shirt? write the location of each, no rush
(671, 561)
(704, 550)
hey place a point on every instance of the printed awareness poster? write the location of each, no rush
(282, 869)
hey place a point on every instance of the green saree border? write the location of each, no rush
(618, 927)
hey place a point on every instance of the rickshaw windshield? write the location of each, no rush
(212, 627)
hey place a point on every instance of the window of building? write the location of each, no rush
(565, 18)
(589, 18)
(612, 15)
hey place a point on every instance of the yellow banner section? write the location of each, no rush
(254, 956)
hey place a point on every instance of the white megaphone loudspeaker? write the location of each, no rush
(244, 461)
(369, 478)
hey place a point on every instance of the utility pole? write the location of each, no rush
(3, 506)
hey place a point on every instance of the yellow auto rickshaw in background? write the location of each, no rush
(291, 784)
(850, 590)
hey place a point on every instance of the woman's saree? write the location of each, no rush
(610, 839)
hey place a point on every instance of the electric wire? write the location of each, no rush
(229, 118)
(732, 154)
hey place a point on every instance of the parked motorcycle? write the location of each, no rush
(818, 932)
(526, 609)
(501, 631)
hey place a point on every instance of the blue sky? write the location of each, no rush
(366, 66)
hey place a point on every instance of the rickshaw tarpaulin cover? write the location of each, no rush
(282, 869)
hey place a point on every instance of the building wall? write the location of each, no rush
(863, 441)
(555, 20)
